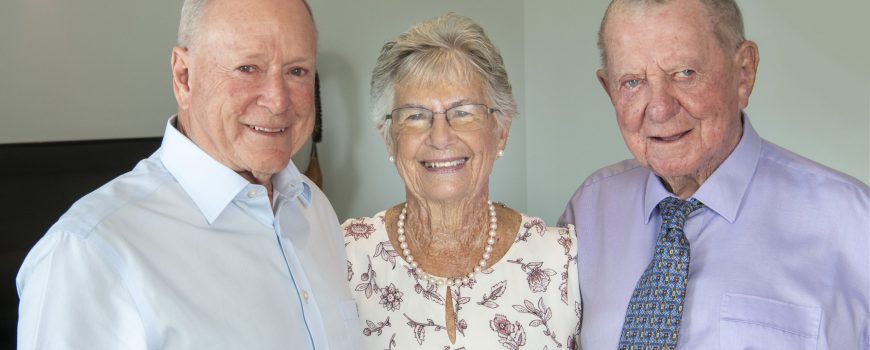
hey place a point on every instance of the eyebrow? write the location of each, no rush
(457, 103)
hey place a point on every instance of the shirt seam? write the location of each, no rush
(768, 153)
(601, 176)
(88, 230)
(769, 326)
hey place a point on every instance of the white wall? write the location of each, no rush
(100, 69)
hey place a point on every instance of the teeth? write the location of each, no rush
(434, 165)
(260, 128)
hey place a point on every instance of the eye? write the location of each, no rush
(460, 113)
(299, 72)
(686, 73)
(416, 116)
(631, 83)
(247, 69)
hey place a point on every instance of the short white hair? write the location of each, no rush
(191, 14)
(724, 14)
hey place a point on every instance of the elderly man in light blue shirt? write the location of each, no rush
(216, 241)
(711, 237)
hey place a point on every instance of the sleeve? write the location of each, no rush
(72, 297)
(567, 216)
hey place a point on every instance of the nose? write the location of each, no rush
(275, 94)
(441, 135)
(662, 103)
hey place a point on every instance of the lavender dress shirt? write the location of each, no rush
(780, 255)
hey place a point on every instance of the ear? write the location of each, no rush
(602, 79)
(391, 148)
(181, 76)
(504, 132)
(389, 141)
(747, 60)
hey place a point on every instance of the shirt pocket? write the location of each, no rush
(751, 322)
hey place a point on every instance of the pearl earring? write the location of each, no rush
(500, 153)
(392, 159)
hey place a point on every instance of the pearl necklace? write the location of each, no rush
(450, 281)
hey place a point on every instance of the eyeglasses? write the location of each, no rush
(415, 120)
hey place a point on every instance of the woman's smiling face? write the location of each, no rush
(443, 164)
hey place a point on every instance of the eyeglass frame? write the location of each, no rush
(489, 111)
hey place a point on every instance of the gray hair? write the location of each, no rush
(724, 14)
(451, 46)
(191, 14)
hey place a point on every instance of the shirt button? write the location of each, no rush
(305, 295)
(252, 193)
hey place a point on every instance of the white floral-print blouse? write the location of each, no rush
(530, 299)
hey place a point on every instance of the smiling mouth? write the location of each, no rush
(671, 138)
(266, 130)
(447, 164)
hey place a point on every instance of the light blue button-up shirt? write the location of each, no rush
(780, 255)
(183, 253)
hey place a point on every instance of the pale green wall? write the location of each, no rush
(86, 69)
(358, 178)
(812, 95)
(100, 69)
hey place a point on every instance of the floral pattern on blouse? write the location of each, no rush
(529, 299)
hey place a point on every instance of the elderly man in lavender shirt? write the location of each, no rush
(778, 252)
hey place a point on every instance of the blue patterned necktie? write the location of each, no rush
(652, 320)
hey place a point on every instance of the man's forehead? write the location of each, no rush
(264, 23)
(664, 36)
(244, 14)
(660, 23)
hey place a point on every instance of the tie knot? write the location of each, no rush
(674, 211)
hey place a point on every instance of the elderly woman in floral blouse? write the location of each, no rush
(449, 269)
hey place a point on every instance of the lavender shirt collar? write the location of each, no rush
(725, 190)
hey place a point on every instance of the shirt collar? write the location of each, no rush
(211, 185)
(724, 190)
(290, 182)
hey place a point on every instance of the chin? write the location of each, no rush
(271, 166)
(673, 169)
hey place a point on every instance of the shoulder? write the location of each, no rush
(531, 227)
(104, 203)
(377, 218)
(362, 228)
(621, 183)
(541, 226)
(320, 206)
(317, 194)
(81, 232)
(625, 173)
(620, 171)
(781, 165)
(80, 237)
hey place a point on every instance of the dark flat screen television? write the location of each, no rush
(39, 182)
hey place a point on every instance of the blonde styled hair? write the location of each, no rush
(448, 48)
